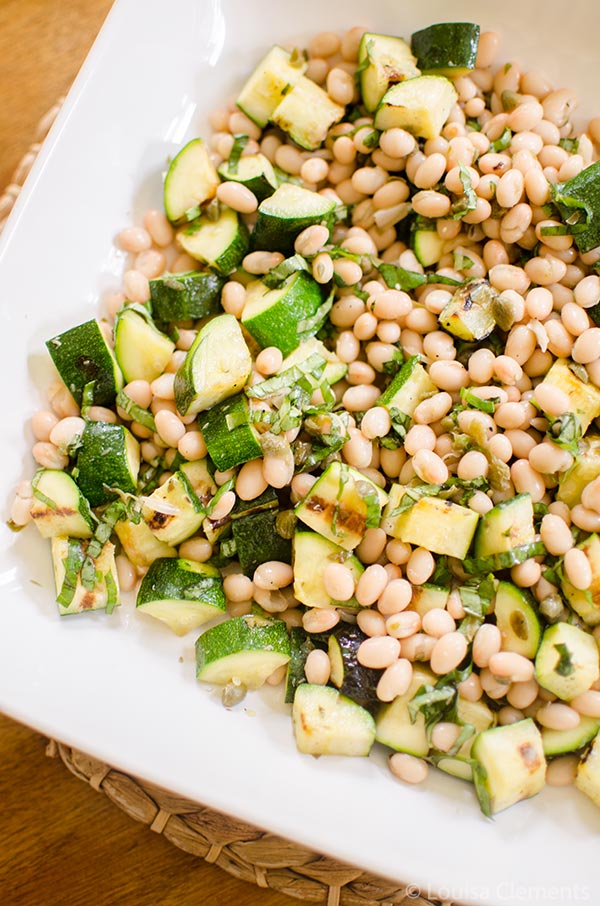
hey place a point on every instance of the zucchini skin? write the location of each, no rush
(81, 355)
(194, 294)
(358, 683)
(258, 541)
(174, 580)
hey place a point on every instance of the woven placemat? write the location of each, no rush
(239, 848)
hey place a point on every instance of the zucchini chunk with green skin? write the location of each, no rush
(257, 540)
(108, 458)
(141, 546)
(586, 603)
(335, 369)
(341, 505)
(311, 555)
(82, 356)
(248, 649)
(347, 673)
(383, 60)
(68, 555)
(517, 620)
(558, 742)
(469, 314)
(182, 593)
(510, 765)
(285, 214)
(255, 171)
(426, 242)
(439, 525)
(395, 728)
(230, 438)
(447, 48)
(217, 366)
(190, 181)
(420, 105)
(584, 399)
(179, 297)
(506, 526)
(58, 506)
(142, 351)
(327, 723)
(272, 316)
(221, 244)
(567, 662)
(581, 195)
(588, 773)
(409, 387)
(276, 73)
(585, 468)
(307, 113)
(176, 510)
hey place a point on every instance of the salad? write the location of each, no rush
(345, 410)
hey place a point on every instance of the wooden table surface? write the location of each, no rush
(62, 844)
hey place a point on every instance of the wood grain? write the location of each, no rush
(62, 843)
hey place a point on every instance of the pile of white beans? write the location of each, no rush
(549, 297)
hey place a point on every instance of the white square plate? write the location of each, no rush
(121, 688)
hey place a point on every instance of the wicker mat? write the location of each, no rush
(240, 849)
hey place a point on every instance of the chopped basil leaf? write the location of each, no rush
(565, 432)
(468, 201)
(472, 401)
(569, 144)
(239, 143)
(502, 143)
(399, 278)
(51, 504)
(312, 367)
(112, 594)
(479, 779)
(393, 365)
(137, 413)
(228, 486)
(560, 229)
(564, 665)
(308, 327)
(279, 274)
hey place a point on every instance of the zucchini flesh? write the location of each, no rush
(190, 181)
(469, 314)
(510, 765)
(140, 544)
(221, 244)
(517, 620)
(409, 387)
(446, 48)
(588, 773)
(585, 468)
(306, 113)
(217, 366)
(142, 351)
(395, 728)
(426, 242)
(439, 525)
(567, 662)
(420, 105)
(327, 723)
(383, 60)
(59, 507)
(276, 73)
(506, 526)
(584, 398)
(312, 554)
